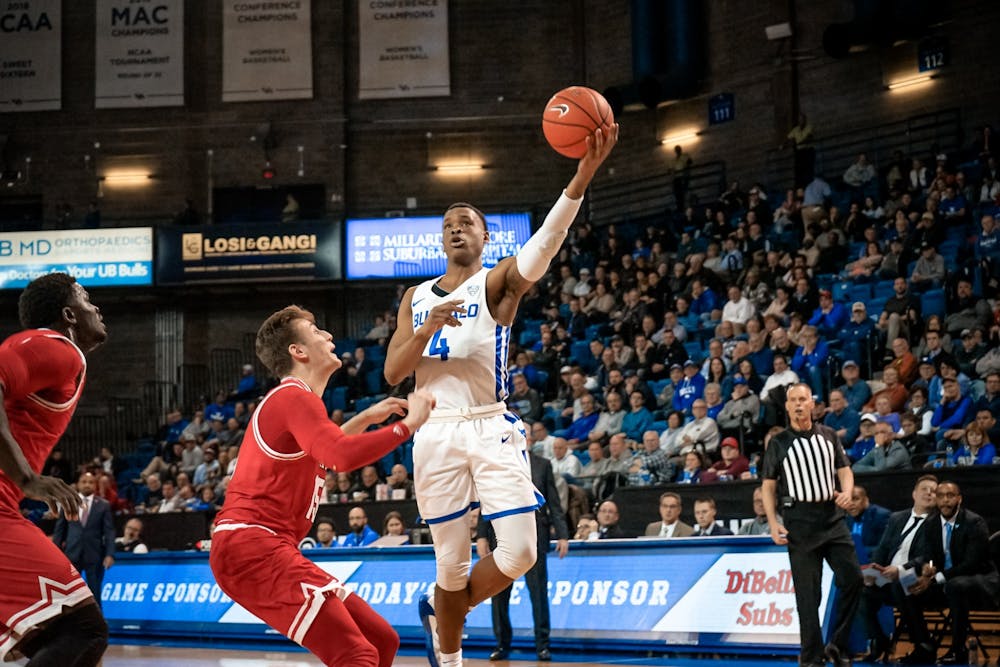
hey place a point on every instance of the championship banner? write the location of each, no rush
(267, 50)
(95, 257)
(30, 55)
(413, 247)
(139, 54)
(253, 251)
(403, 49)
(700, 594)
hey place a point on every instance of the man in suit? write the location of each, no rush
(670, 524)
(704, 516)
(866, 521)
(892, 551)
(951, 559)
(549, 519)
(607, 521)
(89, 541)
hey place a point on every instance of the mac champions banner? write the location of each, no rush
(267, 50)
(139, 59)
(403, 48)
(95, 257)
(30, 55)
(700, 593)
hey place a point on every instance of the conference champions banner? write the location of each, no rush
(255, 251)
(30, 55)
(139, 54)
(413, 247)
(403, 48)
(95, 257)
(640, 593)
(267, 50)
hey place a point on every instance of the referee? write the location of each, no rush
(801, 468)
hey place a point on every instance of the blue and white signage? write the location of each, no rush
(412, 247)
(95, 257)
(727, 593)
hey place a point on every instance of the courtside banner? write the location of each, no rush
(139, 54)
(30, 55)
(699, 593)
(412, 247)
(266, 50)
(403, 49)
(252, 251)
(95, 257)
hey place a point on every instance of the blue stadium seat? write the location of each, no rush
(656, 386)
(862, 292)
(364, 403)
(825, 281)
(529, 337)
(884, 289)
(541, 380)
(376, 353)
(592, 332)
(932, 302)
(875, 306)
(694, 350)
(659, 426)
(335, 399)
(579, 351)
(373, 381)
(840, 291)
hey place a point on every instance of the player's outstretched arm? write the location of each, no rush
(51, 490)
(512, 277)
(407, 346)
(375, 414)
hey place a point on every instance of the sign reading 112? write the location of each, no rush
(721, 108)
(932, 53)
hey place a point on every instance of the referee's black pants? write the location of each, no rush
(811, 540)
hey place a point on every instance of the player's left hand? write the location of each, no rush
(562, 547)
(386, 408)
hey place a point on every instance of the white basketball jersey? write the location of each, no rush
(463, 366)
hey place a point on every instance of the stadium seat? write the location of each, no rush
(693, 349)
(840, 291)
(875, 306)
(932, 302)
(541, 380)
(656, 386)
(529, 337)
(884, 289)
(335, 399)
(373, 381)
(376, 353)
(579, 351)
(862, 292)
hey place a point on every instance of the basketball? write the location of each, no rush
(571, 116)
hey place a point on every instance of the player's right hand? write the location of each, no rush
(419, 406)
(443, 315)
(55, 493)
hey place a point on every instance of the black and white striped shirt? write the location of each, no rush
(805, 463)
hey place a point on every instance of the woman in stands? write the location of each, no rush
(976, 449)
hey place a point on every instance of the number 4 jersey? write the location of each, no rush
(462, 366)
(283, 460)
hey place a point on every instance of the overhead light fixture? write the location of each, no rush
(460, 168)
(913, 81)
(680, 138)
(127, 178)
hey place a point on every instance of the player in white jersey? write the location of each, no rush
(453, 332)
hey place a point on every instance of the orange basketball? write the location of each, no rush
(571, 116)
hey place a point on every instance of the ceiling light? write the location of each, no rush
(906, 83)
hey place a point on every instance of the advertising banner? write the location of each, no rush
(267, 50)
(139, 54)
(252, 251)
(95, 257)
(730, 593)
(403, 49)
(31, 55)
(413, 247)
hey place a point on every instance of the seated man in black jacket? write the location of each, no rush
(950, 557)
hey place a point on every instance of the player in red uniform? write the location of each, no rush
(46, 610)
(272, 499)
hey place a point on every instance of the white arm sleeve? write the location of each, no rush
(534, 257)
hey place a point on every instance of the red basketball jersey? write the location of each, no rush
(42, 373)
(287, 449)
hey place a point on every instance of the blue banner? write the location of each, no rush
(95, 257)
(704, 593)
(251, 251)
(412, 247)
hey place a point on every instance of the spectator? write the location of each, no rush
(758, 525)
(810, 360)
(326, 534)
(610, 420)
(694, 467)
(607, 521)
(586, 528)
(172, 501)
(901, 315)
(619, 454)
(247, 387)
(399, 482)
(731, 466)
(887, 454)
(131, 539)
(866, 521)
(842, 418)
(652, 465)
(866, 438)
(929, 271)
(701, 433)
(524, 400)
(580, 429)
(742, 412)
(976, 448)
(704, 515)
(393, 524)
(598, 464)
(967, 312)
(713, 399)
(903, 361)
(738, 309)
(219, 410)
(952, 413)
(564, 463)
(367, 486)
(690, 389)
(893, 389)
(361, 533)
(990, 400)
(971, 350)
(541, 439)
(830, 317)
(860, 174)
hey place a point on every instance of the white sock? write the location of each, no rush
(451, 659)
